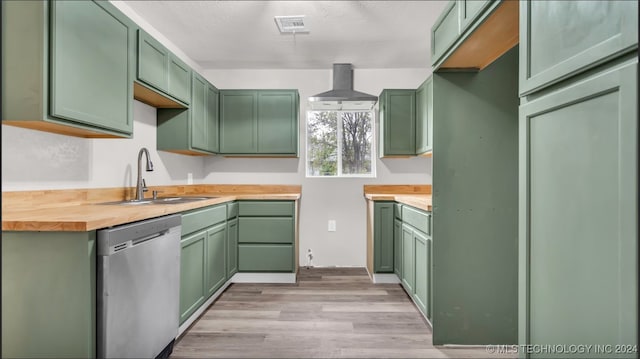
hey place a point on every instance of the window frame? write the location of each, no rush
(339, 131)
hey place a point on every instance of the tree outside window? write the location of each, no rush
(340, 144)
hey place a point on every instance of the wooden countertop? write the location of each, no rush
(418, 196)
(83, 210)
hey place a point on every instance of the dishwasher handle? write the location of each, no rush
(115, 239)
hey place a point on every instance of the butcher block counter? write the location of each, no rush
(418, 196)
(82, 210)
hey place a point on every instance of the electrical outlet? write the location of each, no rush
(332, 225)
(189, 178)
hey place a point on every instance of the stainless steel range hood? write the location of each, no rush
(342, 97)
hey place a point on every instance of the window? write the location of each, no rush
(340, 144)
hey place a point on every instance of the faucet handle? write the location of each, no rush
(144, 186)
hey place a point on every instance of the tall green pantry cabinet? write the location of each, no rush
(68, 67)
(578, 277)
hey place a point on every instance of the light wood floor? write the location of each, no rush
(329, 313)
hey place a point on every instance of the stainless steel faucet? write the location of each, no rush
(141, 186)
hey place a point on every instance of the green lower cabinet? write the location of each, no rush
(192, 273)
(383, 246)
(232, 247)
(578, 214)
(216, 270)
(422, 263)
(49, 294)
(266, 230)
(265, 258)
(408, 259)
(397, 247)
(266, 236)
(68, 67)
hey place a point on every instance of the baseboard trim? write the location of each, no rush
(289, 278)
(202, 309)
(385, 278)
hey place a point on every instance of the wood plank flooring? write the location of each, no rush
(329, 313)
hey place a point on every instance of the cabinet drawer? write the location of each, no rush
(266, 208)
(398, 211)
(265, 257)
(202, 218)
(232, 210)
(418, 219)
(266, 230)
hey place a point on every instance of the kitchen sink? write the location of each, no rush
(162, 200)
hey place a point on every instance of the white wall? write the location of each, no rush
(322, 198)
(40, 160)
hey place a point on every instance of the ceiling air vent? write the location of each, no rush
(291, 24)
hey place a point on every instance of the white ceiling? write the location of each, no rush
(244, 35)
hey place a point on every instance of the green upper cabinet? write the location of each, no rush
(383, 230)
(562, 38)
(472, 34)
(238, 121)
(179, 79)
(153, 62)
(68, 67)
(278, 122)
(192, 131)
(424, 117)
(259, 122)
(160, 70)
(579, 152)
(445, 31)
(469, 10)
(397, 123)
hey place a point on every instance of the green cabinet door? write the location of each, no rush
(469, 10)
(408, 259)
(199, 125)
(397, 247)
(278, 122)
(216, 270)
(212, 118)
(153, 62)
(424, 117)
(383, 246)
(48, 294)
(445, 31)
(91, 61)
(238, 121)
(397, 123)
(179, 79)
(232, 247)
(422, 263)
(561, 38)
(192, 273)
(578, 212)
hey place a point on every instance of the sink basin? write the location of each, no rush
(163, 200)
(175, 200)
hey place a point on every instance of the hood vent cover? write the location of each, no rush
(342, 97)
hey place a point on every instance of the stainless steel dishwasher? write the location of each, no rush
(138, 288)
